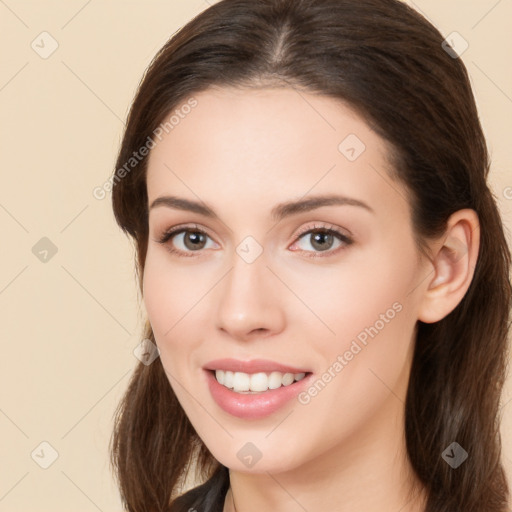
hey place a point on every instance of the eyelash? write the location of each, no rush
(331, 230)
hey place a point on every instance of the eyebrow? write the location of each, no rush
(278, 213)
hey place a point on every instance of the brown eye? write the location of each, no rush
(194, 240)
(322, 239)
(185, 240)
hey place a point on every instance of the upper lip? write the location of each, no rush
(253, 366)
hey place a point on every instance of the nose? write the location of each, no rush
(251, 301)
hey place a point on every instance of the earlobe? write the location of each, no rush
(454, 261)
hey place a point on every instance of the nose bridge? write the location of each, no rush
(246, 303)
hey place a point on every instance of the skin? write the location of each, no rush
(243, 151)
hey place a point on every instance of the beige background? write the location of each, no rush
(69, 325)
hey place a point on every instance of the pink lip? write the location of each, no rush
(254, 366)
(253, 406)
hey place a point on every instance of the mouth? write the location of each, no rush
(256, 388)
(255, 383)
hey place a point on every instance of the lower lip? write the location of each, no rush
(253, 406)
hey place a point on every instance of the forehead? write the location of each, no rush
(267, 144)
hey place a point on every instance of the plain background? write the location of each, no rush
(69, 324)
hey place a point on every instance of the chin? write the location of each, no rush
(278, 461)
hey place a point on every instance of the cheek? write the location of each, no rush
(159, 297)
(176, 301)
(372, 316)
(366, 289)
(169, 292)
(374, 320)
(165, 306)
(366, 362)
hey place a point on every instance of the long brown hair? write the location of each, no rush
(387, 62)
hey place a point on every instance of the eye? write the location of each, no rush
(321, 239)
(189, 239)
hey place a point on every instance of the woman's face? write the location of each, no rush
(265, 280)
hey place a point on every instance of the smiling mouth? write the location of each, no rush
(259, 382)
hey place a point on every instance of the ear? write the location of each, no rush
(454, 260)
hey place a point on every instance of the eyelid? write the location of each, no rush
(326, 227)
(167, 233)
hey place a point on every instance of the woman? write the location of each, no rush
(323, 266)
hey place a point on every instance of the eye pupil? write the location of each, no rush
(322, 241)
(194, 238)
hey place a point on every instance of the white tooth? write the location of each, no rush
(219, 374)
(288, 378)
(241, 381)
(275, 379)
(228, 379)
(259, 382)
